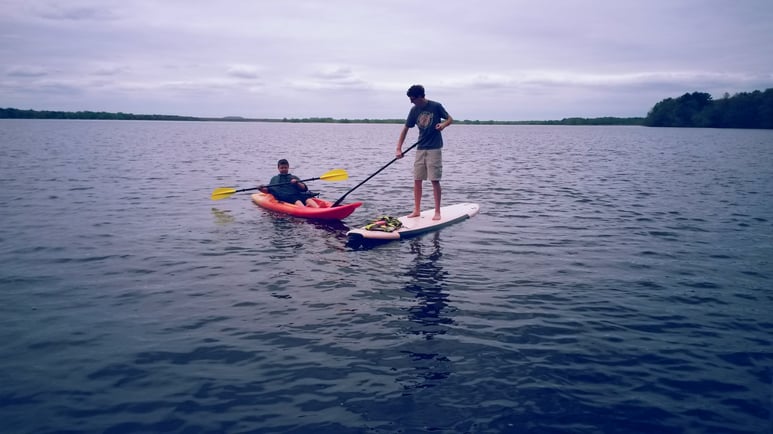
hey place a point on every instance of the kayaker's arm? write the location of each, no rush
(301, 186)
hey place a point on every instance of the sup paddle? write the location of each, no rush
(338, 202)
(332, 176)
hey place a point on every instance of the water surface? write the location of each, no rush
(616, 280)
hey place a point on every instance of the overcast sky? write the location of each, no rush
(500, 60)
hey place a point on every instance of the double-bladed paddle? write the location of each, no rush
(333, 175)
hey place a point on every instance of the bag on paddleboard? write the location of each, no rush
(384, 223)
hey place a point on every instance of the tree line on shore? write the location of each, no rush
(697, 109)
(13, 113)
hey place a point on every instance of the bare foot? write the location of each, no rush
(437, 216)
(414, 214)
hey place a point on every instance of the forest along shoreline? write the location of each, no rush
(752, 110)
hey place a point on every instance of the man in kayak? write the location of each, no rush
(290, 189)
(431, 118)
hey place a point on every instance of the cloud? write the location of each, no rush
(110, 70)
(44, 88)
(243, 71)
(61, 12)
(27, 71)
(509, 60)
(330, 77)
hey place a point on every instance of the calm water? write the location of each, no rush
(617, 280)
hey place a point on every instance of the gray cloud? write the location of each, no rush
(243, 71)
(68, 12)
(346, 58)
(26, 71)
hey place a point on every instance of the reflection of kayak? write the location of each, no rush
(324, 212)
(413, 226)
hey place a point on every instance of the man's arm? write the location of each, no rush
(297, 182)
(449, 120)
(400, 141)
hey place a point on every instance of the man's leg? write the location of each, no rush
(436, 192)
(416, 198)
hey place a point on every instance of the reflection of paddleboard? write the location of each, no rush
(419, 225)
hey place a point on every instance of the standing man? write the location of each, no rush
(431, 118)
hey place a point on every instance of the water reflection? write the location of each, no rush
(222, 218)
(334, 227)
(286, 236)
(427, 284)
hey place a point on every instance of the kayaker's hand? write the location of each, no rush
(399, 153)
(262, 189)
(298, 184)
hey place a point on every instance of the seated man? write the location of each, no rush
(288, 188)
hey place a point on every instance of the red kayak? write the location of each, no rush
(324, 212)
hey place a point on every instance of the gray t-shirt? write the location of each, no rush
(286, 192)
(426, 118)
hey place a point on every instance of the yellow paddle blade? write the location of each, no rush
(222, 193)
(335, 175)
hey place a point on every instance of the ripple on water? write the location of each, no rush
(610, 280)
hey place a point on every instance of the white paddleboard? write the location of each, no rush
(413, 226)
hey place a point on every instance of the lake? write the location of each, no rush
(617, 279)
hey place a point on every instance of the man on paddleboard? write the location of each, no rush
(290, 189)
(431, 118)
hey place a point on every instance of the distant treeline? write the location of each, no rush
(331, 120)
(566, 121)
(698, 109)
(12, 113)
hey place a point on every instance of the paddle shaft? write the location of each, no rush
(283, 183)
(333, 175)
(341, 199)
(275, 185)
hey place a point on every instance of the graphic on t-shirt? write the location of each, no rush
(424, 120)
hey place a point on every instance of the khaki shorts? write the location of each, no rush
(428, 164)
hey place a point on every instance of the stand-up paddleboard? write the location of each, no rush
(413, 226)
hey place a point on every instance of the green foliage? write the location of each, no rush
(697, 109)
(566, 121)
(12, 113)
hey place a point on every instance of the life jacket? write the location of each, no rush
(384, 223)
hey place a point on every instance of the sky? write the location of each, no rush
(355, 59)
